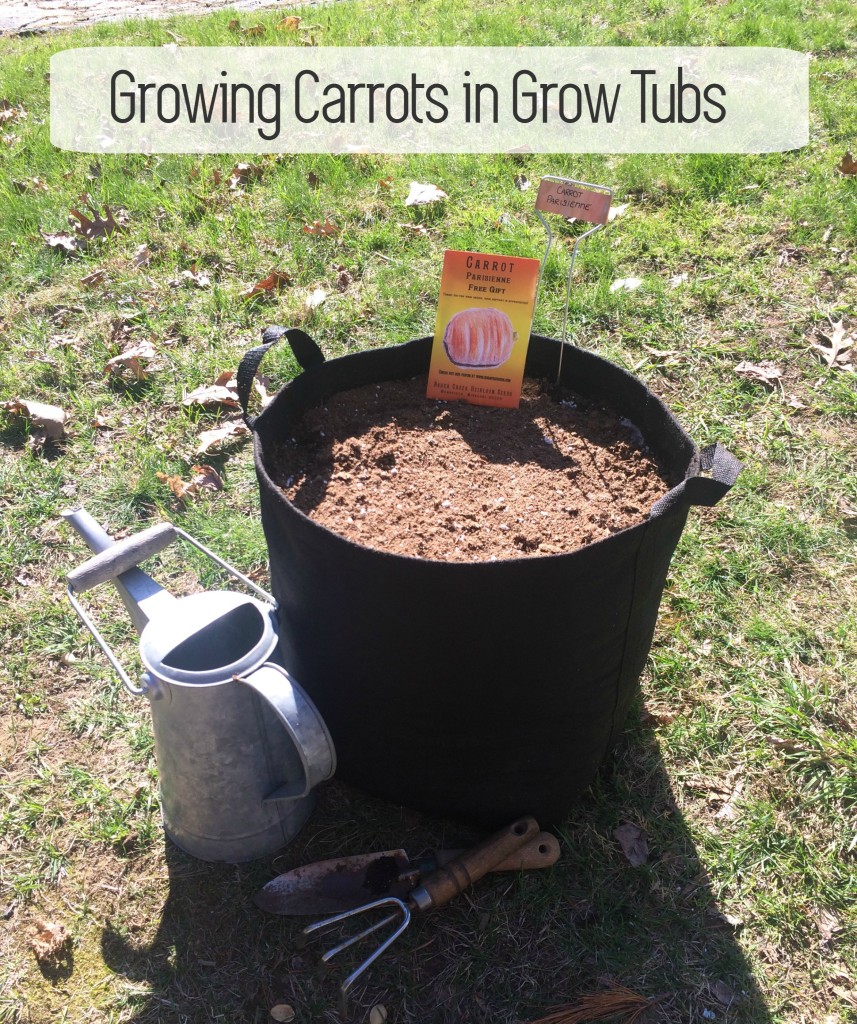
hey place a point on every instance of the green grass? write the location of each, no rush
(741, 767)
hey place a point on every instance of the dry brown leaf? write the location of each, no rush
(313, 180)
(634, 844)
(223, 434)
(243, 173)
(422, 194)
(8, 113)
(131, 360)
(96, 277)
(836, 348)
(142, 256)
(30, 185)
(828, 925)
(522, 182)
(319, 228)
(385, 183)
(290, 24)
(224, 391)
(204, 478)
(723, 993)
(47, 422)
(192, 276)
(728, 810)
(273, 282)
(217, 176)
(63, 241)
(234, 25)
(253, 30)
(48, 939)
(97, 226)
(343, 280)
(260, 386)
(763, 373)
(316, 297)
(848, 165)
(416, 229)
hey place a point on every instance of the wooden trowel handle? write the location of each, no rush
(461, 872)
(542, 851)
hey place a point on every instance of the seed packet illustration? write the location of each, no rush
(484, 317)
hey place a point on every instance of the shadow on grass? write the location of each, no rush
(505, 951)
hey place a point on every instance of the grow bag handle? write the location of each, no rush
(723, 469)
(306, 351)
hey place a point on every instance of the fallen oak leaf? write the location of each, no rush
(142, 256)
(422, 194)
(48, 939)
(194, 276)
(47, 422)
(64, 241)
(8, 113)
(253, 30)
(221, 435)
(617, 211)
(96, 277)
(848, 165)
(273, 282)
(30, 185)
(204, 478)
(223, 392)
(242, 173)
(321, 229)
(828, 925)
(290, 24)
(260, 386)
(343, 279)
(764, 373)
(835, 352)
(97, 226)
(634, 844)
(131, 360)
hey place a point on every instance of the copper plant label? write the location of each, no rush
(571, 200)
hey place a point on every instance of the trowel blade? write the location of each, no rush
(331, 886)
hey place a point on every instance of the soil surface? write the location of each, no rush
(386, 467)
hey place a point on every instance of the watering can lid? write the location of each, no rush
(209, 637)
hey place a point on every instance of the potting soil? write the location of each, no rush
(389, 469)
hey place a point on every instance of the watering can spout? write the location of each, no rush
(142, 596)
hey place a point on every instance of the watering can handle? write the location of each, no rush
(121, 556)
(302, 722)
(306, 351)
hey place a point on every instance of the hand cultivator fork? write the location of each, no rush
(435, 891)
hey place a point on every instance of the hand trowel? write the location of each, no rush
(343, 883)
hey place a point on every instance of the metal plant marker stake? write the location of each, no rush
(581, 187)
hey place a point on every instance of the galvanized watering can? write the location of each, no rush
(239, 744)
